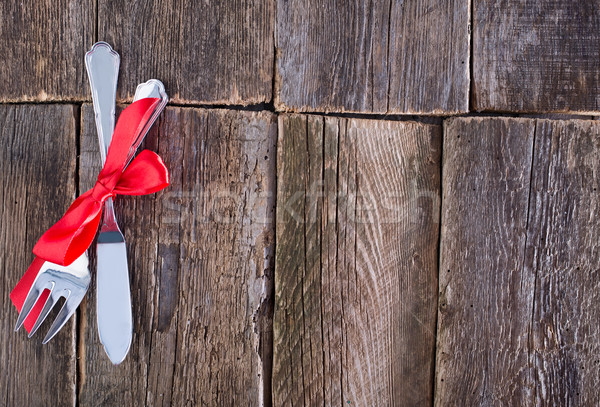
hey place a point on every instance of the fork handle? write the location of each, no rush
(149, 89)
(102, 64)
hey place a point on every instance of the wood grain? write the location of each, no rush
(518, 290)
(37, 184)
(485, 291)
(43, 45)
(356, 261)
(563, 255)
(373, 57)
(200, 258)
(532, 56)
(220, 52)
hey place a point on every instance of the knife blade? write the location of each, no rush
(113, 296)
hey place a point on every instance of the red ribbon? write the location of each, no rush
(73, 234)
(19, 293)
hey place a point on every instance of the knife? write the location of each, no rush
(113, 297)
(114, 317)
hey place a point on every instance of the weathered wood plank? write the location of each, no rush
(356, 261)
(380, 57)
(564, 256)
(201, 267)
(485, 291)
(226, 257)
(37, 184)
(533, 56)
(518, 288)
(220, 53)
(42, 48)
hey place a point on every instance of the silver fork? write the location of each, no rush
(70, 282)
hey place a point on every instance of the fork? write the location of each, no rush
(70, 282)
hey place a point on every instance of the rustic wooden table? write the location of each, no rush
(372, 203)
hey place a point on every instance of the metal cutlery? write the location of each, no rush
(113, 296)
(70, 282)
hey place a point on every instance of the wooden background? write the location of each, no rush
(372, 203)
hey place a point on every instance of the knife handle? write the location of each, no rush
(102, 64)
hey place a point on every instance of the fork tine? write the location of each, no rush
(50, 302)
(34, 294)
(63, 316)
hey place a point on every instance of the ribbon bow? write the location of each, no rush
(73, 234)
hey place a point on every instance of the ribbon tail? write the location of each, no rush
(19, 293)
(71, 236)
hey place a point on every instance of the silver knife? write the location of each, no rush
(112, 282)
(113, 296)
